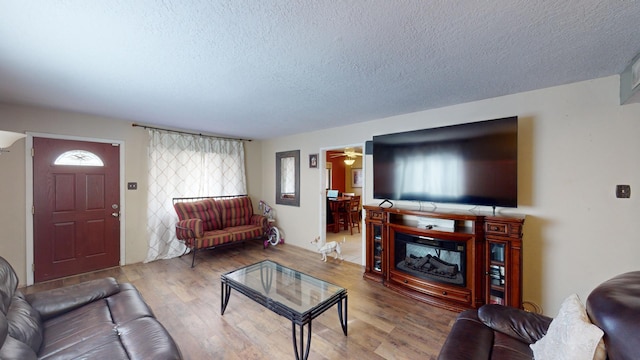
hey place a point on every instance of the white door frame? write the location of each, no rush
(29, 193)
(322, 164)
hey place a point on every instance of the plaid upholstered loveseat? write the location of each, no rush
(205, 223)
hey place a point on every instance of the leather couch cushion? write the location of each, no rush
(98, 342)
(24, 322)
(78, 330)
(4, 328)
(13, 349)
(127, 305)
(469, 339)
(8, 285)
(507, 347)
(528, 327)
(145, 338)
(54, 302)
(614, 306)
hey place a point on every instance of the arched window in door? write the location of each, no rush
(79, 158)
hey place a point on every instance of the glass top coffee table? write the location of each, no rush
(289, 293)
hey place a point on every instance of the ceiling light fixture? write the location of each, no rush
(349, 162)
(7, 138)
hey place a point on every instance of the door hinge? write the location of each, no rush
(33, 210)
(33, 152)
(115, 145)
(33, 267)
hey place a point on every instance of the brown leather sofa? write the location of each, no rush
(98, 319)
(499, 332)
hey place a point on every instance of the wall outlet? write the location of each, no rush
(623, 191)
(132, 186)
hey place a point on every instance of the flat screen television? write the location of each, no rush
(473, 163)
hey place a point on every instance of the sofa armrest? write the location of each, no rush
(525, 326)
(469, 339)
(50, 303)
(260, 220)
(189, 229)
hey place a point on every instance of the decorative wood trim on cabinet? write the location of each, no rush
(488, 276)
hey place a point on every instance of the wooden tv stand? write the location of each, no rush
(491, 244)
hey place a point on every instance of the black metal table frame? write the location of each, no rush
(299, 320)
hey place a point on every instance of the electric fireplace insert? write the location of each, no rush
(431, 258)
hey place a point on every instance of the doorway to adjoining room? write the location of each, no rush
(342, 179)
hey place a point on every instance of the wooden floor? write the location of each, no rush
(382, 324)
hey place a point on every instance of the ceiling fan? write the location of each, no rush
(348, 152)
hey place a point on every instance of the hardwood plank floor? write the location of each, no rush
(382, 324)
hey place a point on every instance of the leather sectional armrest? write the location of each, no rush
(50, 303)
(524, 326)
(468, 339)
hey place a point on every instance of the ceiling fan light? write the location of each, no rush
(349, 162)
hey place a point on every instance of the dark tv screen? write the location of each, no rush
(474, 163)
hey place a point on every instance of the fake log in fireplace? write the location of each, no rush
(430, 258)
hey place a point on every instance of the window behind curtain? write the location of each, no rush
(185, 165)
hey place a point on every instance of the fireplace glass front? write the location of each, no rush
(431, 258)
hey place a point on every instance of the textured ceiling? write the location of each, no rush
(259, 69)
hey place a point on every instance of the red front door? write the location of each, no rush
(76, 207)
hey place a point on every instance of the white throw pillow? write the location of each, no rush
(571, 336)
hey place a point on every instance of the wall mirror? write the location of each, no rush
(288, 178)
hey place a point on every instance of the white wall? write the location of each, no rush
(575, 144)
(12, 175)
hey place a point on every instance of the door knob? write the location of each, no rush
(115, 214)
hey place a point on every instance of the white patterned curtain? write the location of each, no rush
(185, 165)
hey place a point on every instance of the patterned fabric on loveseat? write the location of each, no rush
(205, 223)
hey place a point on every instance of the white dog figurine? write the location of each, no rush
(326, 248)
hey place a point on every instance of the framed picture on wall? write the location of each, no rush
(356, 178)
(313, 160)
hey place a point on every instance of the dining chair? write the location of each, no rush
(354, 213)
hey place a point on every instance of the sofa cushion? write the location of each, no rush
(507, 347)
(235, 211)
(127, 305)
(24, 322)
(189, 229)
(469, 338)
(525, 326)
(245, 232)
(78, 327)
(104, 346)
(146, 338)
(8, 284)
(13, 349)
(50, 303)
(213, 238)
(571, 336)
(614, 306)
(205, 210)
